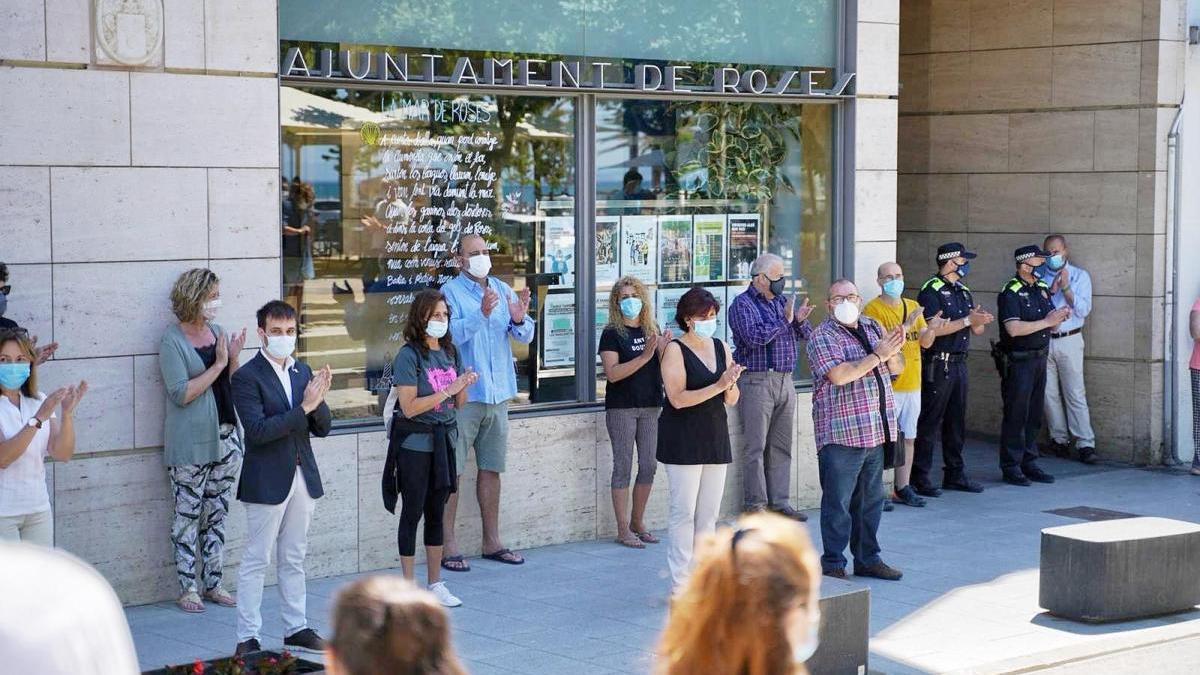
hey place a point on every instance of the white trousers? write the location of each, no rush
(32, 528)
(695, 497)
(284, 528)
(1066, 397)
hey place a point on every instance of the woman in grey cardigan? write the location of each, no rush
(201, 445)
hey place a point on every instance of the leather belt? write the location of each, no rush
(948, 357)
(1027, 354)
(1055, 336)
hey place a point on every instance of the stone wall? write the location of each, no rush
(1019, 118)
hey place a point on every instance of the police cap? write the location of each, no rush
(951, 251)
(1026, 252)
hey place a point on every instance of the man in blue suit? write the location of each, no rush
(280, 402)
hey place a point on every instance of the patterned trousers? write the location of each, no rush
(1196, 418)
(202, 494)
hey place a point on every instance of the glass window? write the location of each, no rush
(690, 193)
(380, 186)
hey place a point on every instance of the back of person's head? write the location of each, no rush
(58, 616)
(384, 625)
(750, 605)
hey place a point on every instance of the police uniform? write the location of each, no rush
(1023, 380)
(944, 380)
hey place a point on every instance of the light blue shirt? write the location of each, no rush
(482, 340)
(1081, 288)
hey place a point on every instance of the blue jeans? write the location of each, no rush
(851, 504)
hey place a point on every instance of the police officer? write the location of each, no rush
(1027, 315)
(944, 372)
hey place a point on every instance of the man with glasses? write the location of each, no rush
(766, 325)
(43, 353)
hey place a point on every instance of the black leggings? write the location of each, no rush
(419, 498)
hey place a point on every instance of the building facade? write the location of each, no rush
(135, 147)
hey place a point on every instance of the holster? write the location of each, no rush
(1000, 358)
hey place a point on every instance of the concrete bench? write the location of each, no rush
(1120, 569)
(845, 629)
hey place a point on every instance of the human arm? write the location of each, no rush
(172, 362)
(928, 328)
(251, 409)
(62, 429)
(675, 381)
(614, 370)
(320, 419)
(236, 343)
(11, 449)
(1017, 327)
(748, 325)
(1194, 322)
(827, 360)
(466, 315)
(1079, 294)
(801, 327)
(520, 325)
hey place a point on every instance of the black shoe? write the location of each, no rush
(1088, 455)
(887, 505)
(927, 490)
(1036, 475)
(839, 573)
(248, 647)
(305, 640)
(1058, 449)
(1015, 477)
(788, 512)
(908, 497)
(879, 570)
(962, 484)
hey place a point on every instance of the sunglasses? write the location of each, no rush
(5, 288)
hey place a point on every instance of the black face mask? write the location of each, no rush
(776, 286)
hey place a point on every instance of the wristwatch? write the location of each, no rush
(966, 322)
(34, 423)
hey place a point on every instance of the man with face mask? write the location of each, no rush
(1070, 286)
(766, 325)
(1027, 318)
(944, 372)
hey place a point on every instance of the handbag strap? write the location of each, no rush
(866, 345)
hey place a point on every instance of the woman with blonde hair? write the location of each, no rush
(752, 605)
(385, 625)
(201, 446)
(630, 347)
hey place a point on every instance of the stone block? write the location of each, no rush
(113, 309)
(879, 11)
(25, 214)
(845, 628)
(878, 58)
(949, 81)
(914, 82)
(24, 30)
(1111, 403)
(1151, 262)
(1162, 76)
(1092, 75)
(1164, 20)
(1116, 140)
(804, 456)
(1051, 141)
(105, 416)
(1148, 328)
(915, 253)
(125, 214)
(69, 31)
(86, 112)
(1085, 569)
(867, 257)
(1152, 202)
(1088, 22)
(204, 120)
(246, 285)
(240, 35)
(875, 134)
(1093, 203)
(915, 18)
(1114, 255)
(333, 536)
(376, 527)
(1008, 24)
(243, 213)
(949, 26)
(875, 205)
(1154, 124)
(1109, 333)
(31, 299)
(149, 402)
(1008, 79)
(968, 143)
(914, 149)
(932, 202)
(183, 34)
(984, 405)
(1009, 202)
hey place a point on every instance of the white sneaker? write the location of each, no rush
(444, 595)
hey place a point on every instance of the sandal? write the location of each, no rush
(190, 602)
(455, 563)
(646, 537)
(221, 596)
(505, 556)
(632, 541)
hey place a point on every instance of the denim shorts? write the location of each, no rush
(485, 427)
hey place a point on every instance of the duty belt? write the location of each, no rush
(1055, 336)
(1027, 354)
(948, 357)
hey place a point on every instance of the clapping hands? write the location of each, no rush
(730, 377)
(890, 344)
(518, 307)
(468, 378)
(318, 386)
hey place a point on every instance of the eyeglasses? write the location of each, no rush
(839, 299)
(12, 333)
(5, 288)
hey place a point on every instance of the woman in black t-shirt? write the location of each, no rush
(629, 349)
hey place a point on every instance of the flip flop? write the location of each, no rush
(646, 537)
(505, 556)
(460, 564)
(632, 541)
(190, 603)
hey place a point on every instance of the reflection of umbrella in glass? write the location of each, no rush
(299, 110)
(652, 158)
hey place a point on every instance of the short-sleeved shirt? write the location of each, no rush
(848, 414)
(890, 317)
(1024, 302)
(23, 483)
(430, 373)
(954, 301)
(642, 389)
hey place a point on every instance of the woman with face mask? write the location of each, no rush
(751, 607)
(630, 347)
(431, 386)
(693, 432)
(30, 431)
(201, 445)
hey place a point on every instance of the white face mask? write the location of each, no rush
(846, 312)
(210, 309)
(281, 346)
(705, 327)
(436, 329)
(479, 265)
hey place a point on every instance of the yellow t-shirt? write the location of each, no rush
(890, 317)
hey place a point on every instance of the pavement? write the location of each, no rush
(967, 603)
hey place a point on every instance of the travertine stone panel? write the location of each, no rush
(1116, 140)
(879, 11)
(949, 26)
(103, 214)
(1005, 24)
(914, 82)
(104, 419)
(243, 213)
(149, 402)
(914, 151)
(24, 30)
(1111, 404)
(204, 120)
(1009, 202)
(1155, 125)
(969, 143)
(1151, 262)
(932, 202)
(1113, 254)
(1148, 331)
(86, 112)
(1051, 141)
(914, 252)
(915, 26)
(878, 58)
(68, 31)
(1164, 20)
(807, 482)
(1088, 22)
(875, 134)
(25, 214)
(333, 535)
(30, 302)
(949, 81)
(867, 257)
(1088, 75)
(376, 527)
(875, 206)
(1093, 202)
(240, 35)
(96, 496)
(111, 309)
(1152, 202)
(1008, 79)
(984, 404)
(246, 285)
(183, 34)
(1108, 335)
(1162, 72)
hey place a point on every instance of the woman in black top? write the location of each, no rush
(630, 347)
(693, 432)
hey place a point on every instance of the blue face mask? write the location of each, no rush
(964, 269)
(894, 287)
(631, 307)
(705, 327)
(13, 375)
(1056, 262)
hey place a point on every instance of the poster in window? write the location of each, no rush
(743, 244)
(601, 319)
(674, 249)
(558, 333)
(708, 260)
(608, 240)
(722, 325)
(667, 300)
(639, 247)
(559, 249)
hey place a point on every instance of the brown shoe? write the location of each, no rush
(839, 573)
(879, 570)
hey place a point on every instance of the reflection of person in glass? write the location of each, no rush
(297, 242)
(631, 188)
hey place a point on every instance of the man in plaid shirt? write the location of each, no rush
(852, 360)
